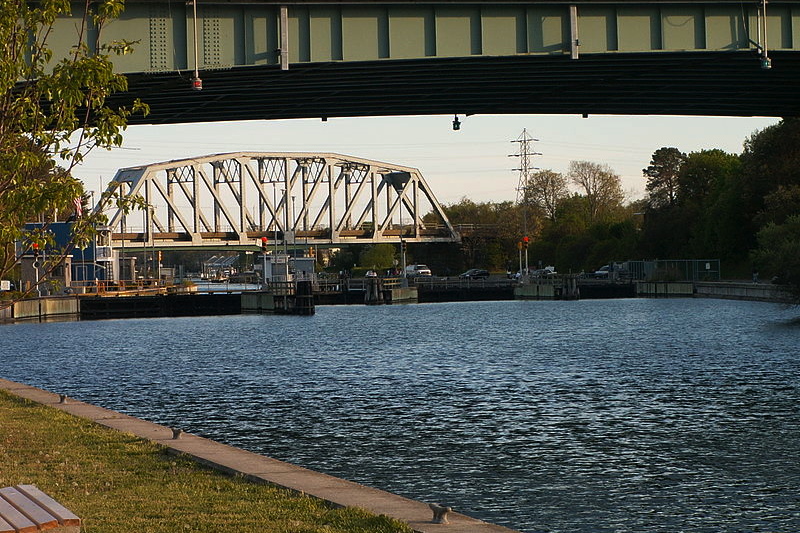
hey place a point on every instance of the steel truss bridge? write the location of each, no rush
(292, 199)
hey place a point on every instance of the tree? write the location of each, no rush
(710, 205)
(780, 204)
(778, 253)
(345, 258)
(545, 190)
(484, 223)
(53, 113)
(602, 187)
(704, 174)
(771, 158)
(662, 177)
(378, 256)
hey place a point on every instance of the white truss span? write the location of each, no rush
(310, 198)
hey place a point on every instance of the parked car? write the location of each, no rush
(546, 272)
(475, 273)
(413, 271)
(602, 272)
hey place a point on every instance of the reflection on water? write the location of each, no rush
(625, 415)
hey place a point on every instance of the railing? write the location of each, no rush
(444, 283)
(121, 288)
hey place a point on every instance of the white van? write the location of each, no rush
(412, 271)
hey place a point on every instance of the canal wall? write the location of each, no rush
(403, 294)
(165, 305)
(732, 290)
(603, 290)
(660, 289)
(430, 294)
(535, 291)
(726, 290)
(45, 308)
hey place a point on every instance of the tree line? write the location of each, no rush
(743, 209)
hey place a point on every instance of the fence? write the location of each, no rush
(674, 270)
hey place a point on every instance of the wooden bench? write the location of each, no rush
(26, 509)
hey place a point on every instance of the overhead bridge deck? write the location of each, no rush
(272, 59)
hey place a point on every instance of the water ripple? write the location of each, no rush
(591, 416)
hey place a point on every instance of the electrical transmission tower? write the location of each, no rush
(525, 169)
(525, 154)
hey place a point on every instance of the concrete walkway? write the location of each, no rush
(258, 467)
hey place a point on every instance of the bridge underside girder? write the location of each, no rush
(665, 83)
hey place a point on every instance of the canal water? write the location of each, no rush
(589, 416)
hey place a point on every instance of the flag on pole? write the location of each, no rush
(78, 202)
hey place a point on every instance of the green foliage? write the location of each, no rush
(770, 159)
(574, 253)
(601, 187)
(780, 204)
(378, 256)
(704, 217)
(345, 259)
(778, 252)
(545, 190)
(54, 112)
(710, 201)
(662, 177)
(705, 174)
(572, 215)
(445, 259)
(490, 232)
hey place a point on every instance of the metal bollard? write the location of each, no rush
(62, 398)
(176, 433)
(439, 513)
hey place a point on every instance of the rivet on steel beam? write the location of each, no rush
(176, 433)
(439, 513)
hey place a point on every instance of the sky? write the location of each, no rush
(473, 162)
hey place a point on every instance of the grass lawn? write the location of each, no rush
(120, 483)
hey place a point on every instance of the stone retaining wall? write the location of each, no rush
(763, 292)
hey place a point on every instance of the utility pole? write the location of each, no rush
(525, 169)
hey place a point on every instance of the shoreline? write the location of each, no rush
(68, 308)
(259, 468)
